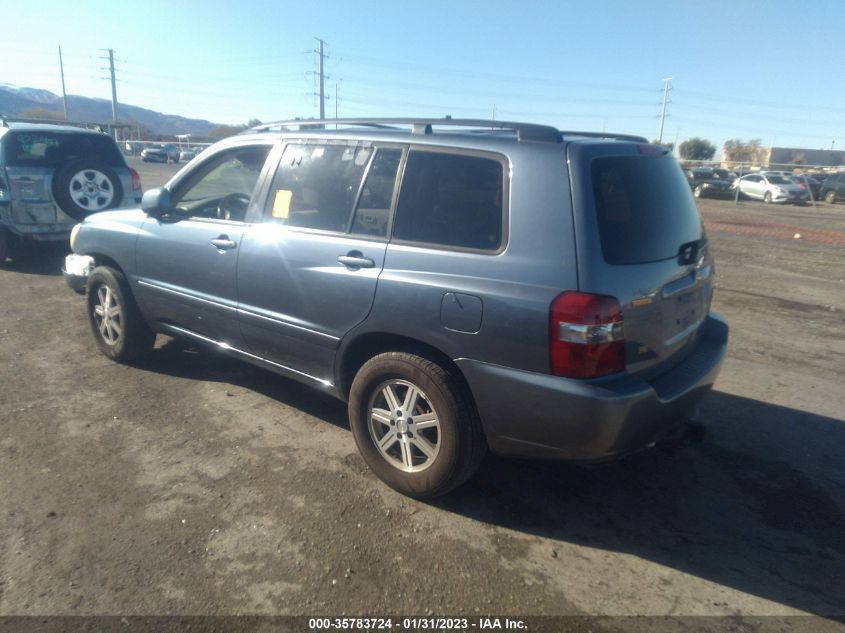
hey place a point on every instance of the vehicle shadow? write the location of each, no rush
(38, 259)
(757, 505)
(754, 501)
(180, 359)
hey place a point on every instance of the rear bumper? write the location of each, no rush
(527, 414)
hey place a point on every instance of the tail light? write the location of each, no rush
(136, 180)
(586, 336)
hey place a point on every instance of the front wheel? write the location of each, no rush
(767, 197)
(414, 424)
(698, 191)
(116, 322)
(830, 197)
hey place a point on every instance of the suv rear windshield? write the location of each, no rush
(644, 208)
(52, 149)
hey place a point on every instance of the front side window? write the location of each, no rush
(222, 186)
(451, 200)
(316, 186)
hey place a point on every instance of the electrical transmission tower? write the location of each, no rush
(322, 76)
(113, 82)
(666, 88)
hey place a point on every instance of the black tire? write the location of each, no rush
(62, 184)
(767, 197)
(460, 439)
(4, 245)
(830, 197)
(107, 286)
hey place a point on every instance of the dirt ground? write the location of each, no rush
(194, 484)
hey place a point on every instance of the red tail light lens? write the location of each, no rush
(136, 180)
(586, 336)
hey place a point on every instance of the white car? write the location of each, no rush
(771, 188)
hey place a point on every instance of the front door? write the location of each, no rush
(187, 259)
(307, 274)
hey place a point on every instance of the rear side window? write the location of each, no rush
(450, 200)
(316, 187)
(46, 149)
(644, 208)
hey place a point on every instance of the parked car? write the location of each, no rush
(187, 154)
(833, 188)
(158, 153)
(53, 176)
(706, 182)
(501, 285)
(809, 183)
(771, 188)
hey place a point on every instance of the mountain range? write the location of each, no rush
(14, 101)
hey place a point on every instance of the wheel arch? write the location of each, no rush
(357, 351)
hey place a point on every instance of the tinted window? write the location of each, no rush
(778, 180)
(644, 208)
(373, 210)
(451, 200)
(316, 186)
(52, 149)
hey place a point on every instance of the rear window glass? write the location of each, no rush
(46, 149)
(450, 200)
(644, 208)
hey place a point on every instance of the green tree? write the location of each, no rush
(696, 149)
(41, 113)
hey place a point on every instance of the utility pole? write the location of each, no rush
(62, 71)
(666, 89)
(322, 57)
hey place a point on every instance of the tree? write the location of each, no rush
(696, 149)
(253, 122)
(222, 131)
(41, 113)
(739, 151)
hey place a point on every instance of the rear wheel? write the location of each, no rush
(414, 424)
(830, 197)
(116, 322)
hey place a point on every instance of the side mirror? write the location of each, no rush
(156, 202)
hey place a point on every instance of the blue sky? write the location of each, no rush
(770, 70)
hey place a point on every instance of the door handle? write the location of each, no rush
(355, 260)
(223, 243)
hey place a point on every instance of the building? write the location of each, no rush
(786, 158)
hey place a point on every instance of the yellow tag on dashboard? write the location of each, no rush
(281, 203)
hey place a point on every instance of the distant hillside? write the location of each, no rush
(15, 100)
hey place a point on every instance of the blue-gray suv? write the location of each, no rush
(462, 284)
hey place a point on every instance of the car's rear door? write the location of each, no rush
(307, 272)
(641, 240)
(186, 261)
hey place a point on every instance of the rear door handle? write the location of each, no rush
(223, 243)
(355, 260)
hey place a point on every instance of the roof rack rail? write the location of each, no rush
(524, 131)
(619, 137)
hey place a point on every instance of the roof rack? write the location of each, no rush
(619, 137)
(524, 131)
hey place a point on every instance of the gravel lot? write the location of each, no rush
(194, 484)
